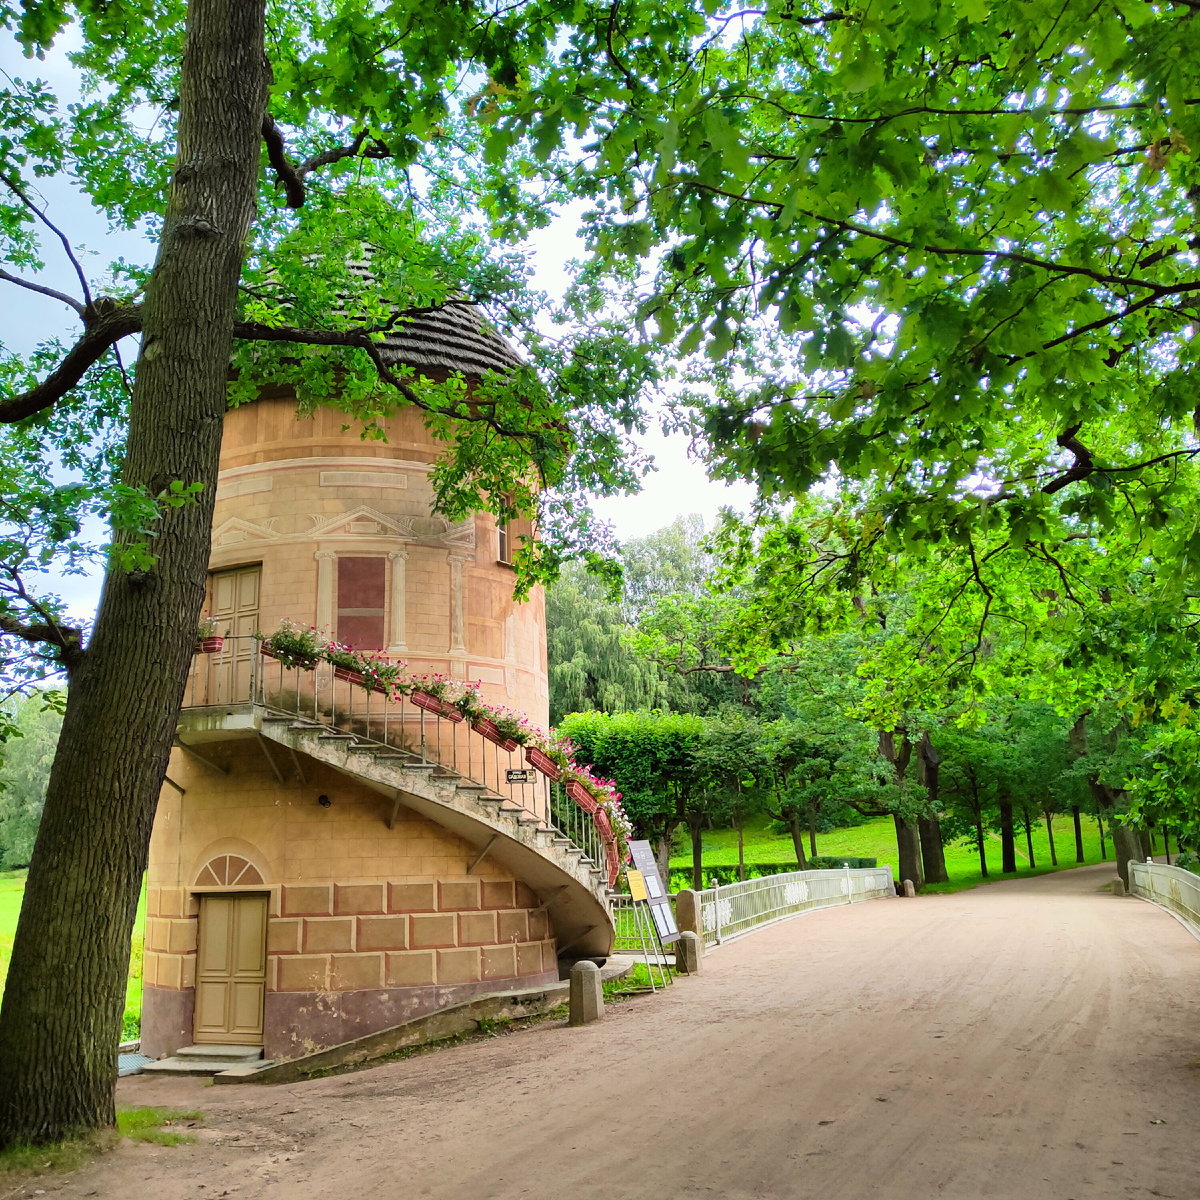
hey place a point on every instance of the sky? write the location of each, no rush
(678, 487)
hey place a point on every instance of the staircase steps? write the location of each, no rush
(207, 1061)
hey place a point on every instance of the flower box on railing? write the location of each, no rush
(211, 645)
(348, 675)
(614, 862)
(544, 763)
(488, 730)
(432, 704)
(582, 796)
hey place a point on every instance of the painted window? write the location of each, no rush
(360, 602)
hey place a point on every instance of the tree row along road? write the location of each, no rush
(1026, 1039)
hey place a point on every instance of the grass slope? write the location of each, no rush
(12, 891)
(877, 839)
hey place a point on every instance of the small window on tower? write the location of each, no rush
(360, 602)
(504, 533)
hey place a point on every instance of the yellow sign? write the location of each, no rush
(637, 885)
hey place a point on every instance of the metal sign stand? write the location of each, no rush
(647, 933)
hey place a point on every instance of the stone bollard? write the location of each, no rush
(1118, 887)
(587, 995)
(687, 912)
(909, 890)
(688, 952)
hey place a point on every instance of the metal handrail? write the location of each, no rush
(240, 672)
(728, 911)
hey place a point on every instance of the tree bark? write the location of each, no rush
(933, 853)
(63, 1005)
(812, 829)
(1100, 826)
(1028, 837)
(908, 843)
(1078, 834)
(798, 840)
(1050, 836)
(1166, 846)
(696, 827)
(1008, 844)
(665, 846)
(979, 843)
(1127, 845)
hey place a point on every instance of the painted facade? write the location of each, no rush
(371, 916)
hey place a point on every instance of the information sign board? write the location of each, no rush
(517, 776)
(660, 903)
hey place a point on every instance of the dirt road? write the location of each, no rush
(1027, 1039)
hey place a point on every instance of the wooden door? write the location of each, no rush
(235, 607)
(231, 969)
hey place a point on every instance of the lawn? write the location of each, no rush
(877, 839)
(12, 889)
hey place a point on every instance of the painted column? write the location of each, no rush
(399, 561)
(458, 641)
(325, 560)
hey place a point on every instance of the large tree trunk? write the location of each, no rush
(1078, 834)
(1008, 844)
(933, 854)
(908, 843)
(696, 827)
(979, 843)
(1028, 837)
(1127, 845)
(63, 1004)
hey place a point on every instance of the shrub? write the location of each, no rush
(1189, 861)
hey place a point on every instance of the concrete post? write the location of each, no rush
(688, 952)
(909, 890)
(687, 912)
(587, 996)
(1118, 887)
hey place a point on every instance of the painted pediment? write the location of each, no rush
(362, 522)
(235, 531)
(367, 522)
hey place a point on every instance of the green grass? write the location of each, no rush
(163, 1126)
(636, 981)
(877, 839)
(12, 890)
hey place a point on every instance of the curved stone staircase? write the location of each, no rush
(567, 876)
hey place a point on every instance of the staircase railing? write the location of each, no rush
(240, 673)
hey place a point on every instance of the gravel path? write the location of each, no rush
(1025, 1039)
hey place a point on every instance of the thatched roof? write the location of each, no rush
(451, 338)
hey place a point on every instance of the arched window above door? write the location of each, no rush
(228, 870)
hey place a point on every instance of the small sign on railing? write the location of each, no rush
(517, 776)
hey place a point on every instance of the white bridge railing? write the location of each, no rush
(1171, 887)
(736, 908)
